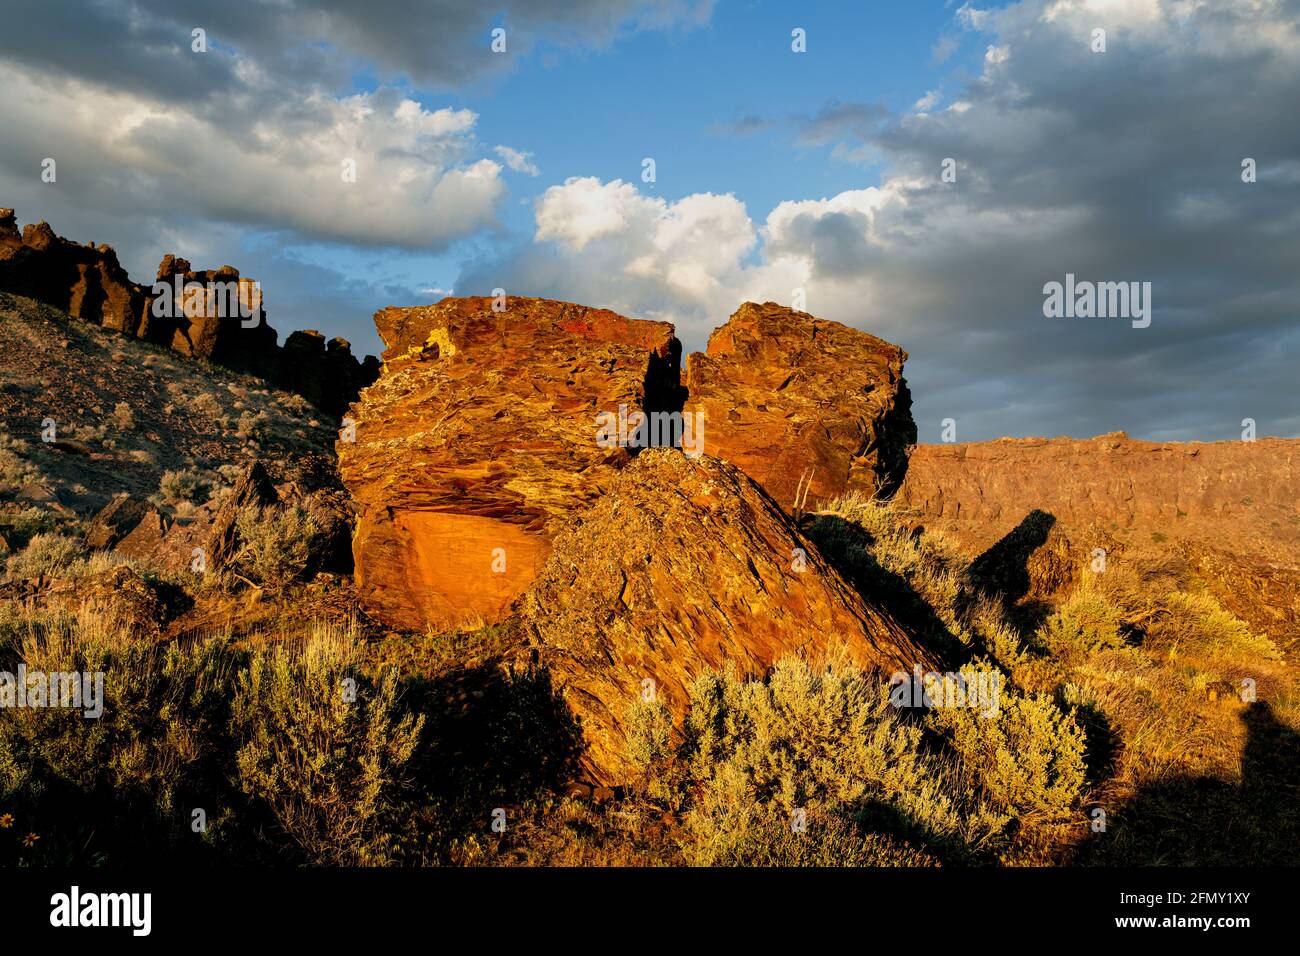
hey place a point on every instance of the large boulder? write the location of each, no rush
(479, 441)
(687, 564)
(807, 407)
(115, 521)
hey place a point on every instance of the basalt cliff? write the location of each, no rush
(88, 282)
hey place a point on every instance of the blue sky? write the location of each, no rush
(682, 96)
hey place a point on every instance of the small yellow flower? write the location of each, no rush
(6, 821)
(30, 839)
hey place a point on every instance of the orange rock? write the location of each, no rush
(794, 401)
(478, 441)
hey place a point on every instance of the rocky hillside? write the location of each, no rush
(86, 281)
(121, 444)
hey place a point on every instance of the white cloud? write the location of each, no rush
(262, 162)
(521, 161)
(1120, 166)
(927, 102)
(584, 209)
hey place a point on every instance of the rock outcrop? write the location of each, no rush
(804, 406)
(203, 321)
(209, 533)
(324, 373)
(682, 565)
(1231, 508)
(479, 442)
(85, 281)
(115, 521)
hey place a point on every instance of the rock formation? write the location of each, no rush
(172, 543)
(87, 281)
(794, 401)
(479, 442)
(84, 281)
(115, 521)
(1229, 507)
(480, 436)
(685, 564)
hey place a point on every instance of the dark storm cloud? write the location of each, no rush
(1123, 165)
(134, 44)
(838, 121)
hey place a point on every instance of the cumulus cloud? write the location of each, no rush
(1120, 166)
(284, 167)
(609, 244)
(254, 131)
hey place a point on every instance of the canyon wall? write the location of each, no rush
(1231, 509)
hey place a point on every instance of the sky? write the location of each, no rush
(778, 174)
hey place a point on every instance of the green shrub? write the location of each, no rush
(822, 741)
(178, 486)
(255, 739)
(207, 406)
(30, 521)
(48, 555)
(1200, 623)
(649, 748)
(15, 469)
(152, 729)
(324, 747)
(256, 427)
(123, 417)
(1085, 623)
(764, 838)
(1027, 757)
(276, 543)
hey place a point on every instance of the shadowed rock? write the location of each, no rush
(115, 521)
